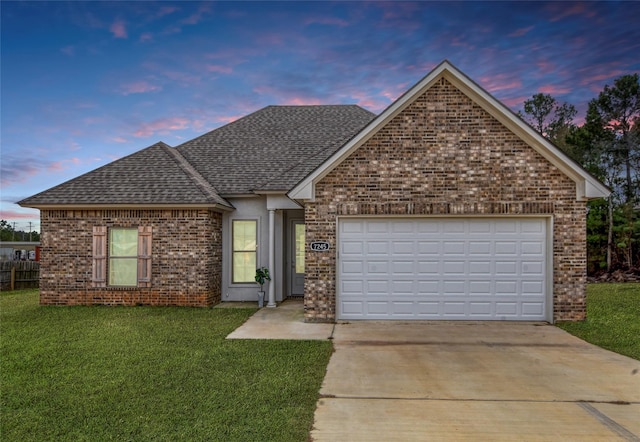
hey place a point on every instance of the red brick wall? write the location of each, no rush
(445, 155)
(186, 257)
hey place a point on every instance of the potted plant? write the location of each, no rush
(262, 275)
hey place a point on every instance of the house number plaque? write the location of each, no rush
(320, 246)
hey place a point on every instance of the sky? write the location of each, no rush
(85, 83)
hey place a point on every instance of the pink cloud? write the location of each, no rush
(119, 140)
(545, 66)
(118, 29)
(219, 69)
(302, 101)
(197, 16)
(562, 10)
(14, 214)
(162, 126)
(553, 89)
(601, 77)
(520, 32)
(139, 87)
(499, 82)
(228, 119)
(514, 103)
(166, 10)
(147, 36)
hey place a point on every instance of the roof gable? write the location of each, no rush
(157, 175)
(586, 185)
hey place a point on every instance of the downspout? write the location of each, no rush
(272, 257)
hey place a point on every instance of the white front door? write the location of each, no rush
(443, 268)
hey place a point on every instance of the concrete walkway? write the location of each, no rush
(441, 380)
(286, 321)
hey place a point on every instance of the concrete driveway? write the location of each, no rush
(403, 381)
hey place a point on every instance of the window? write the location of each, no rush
(124, 260)
(123, 257)
(244, 241)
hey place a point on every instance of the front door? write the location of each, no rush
(296, 254)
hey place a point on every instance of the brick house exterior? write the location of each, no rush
(185, 264)
(473, 166)
(446, 153)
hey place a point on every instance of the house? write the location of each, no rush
(444, 206)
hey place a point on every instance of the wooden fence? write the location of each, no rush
(16, 275)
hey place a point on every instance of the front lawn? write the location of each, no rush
(613, 318)
(149, 373)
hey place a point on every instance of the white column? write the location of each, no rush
(272, 257)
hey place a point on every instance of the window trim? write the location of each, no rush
(233, 251)
(112, 259)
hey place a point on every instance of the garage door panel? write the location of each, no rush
(532, 268)
(532, 248)
(352, 268)
(377, 287)
(532, 288)
(402, 267)
(509, 309)
(377, 227)
(399, 287)
(483, 309)
(509, 248)
(477, 288)
(429, 247)
(475, 269)
(378, 248)
(352, 247)
(451, 308)
(453, 267)
(479, 267)
(479, 248)
(455, 287)
(428, 287)
(453, 247)
(453, 226)
(426, 268)
(402, 248)
(378, 267)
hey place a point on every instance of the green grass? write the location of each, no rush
(613, 318)
(149, 373)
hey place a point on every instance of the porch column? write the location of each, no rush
(272, 257)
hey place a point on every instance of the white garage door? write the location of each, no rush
(439, 268)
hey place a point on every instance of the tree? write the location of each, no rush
(610, 140)
(9, 233)
(618, 110)
(551, 119)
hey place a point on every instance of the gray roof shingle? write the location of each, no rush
(273, 148)
(155, 175)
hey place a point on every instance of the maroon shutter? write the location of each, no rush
(144, 256)
(99, 273)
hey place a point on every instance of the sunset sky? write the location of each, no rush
(85, 83)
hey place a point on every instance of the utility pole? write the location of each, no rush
(29, 231)
(13, 234)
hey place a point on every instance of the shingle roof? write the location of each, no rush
(273, 148)
(155, 175)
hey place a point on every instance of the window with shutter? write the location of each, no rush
(124, 260)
